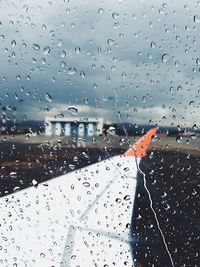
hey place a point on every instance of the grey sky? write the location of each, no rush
(116, 48)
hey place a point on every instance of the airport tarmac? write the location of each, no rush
(172, 172)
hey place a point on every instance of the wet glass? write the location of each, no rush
(82, 81)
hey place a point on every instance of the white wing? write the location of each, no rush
(78, 219)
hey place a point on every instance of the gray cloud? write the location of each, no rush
(121, 47)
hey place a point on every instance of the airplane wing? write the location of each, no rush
(78, 219)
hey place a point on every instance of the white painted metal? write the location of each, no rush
(58, 128)
(67, 129)
(81, 130)
(49, 121)
(90, 129)
(78, 219)
(48, 127)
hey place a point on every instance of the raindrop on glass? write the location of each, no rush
(191, 103)
(115, 15)
(77, 50)
(86, 101)
(13, 43)
(82, 74)
(196, 19)
(86, 184)
(71, 71)
(198, 61)
(101, 11)
(36, 47)
(165, 58)
(110, 41)
(48, 97)
(178, 139)
(73, 110)
(111, 130)
(127, 197)
(153, 44)
(13, 174)
(63, 53)
(46, 50)
(195, 127)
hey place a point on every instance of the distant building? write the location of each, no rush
(75, 127)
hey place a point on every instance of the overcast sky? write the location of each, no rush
(133, 61)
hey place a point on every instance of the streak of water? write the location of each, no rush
(147, 190)
(155, 215)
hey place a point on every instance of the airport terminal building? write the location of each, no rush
(74, 127)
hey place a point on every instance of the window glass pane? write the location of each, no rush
(81, 83)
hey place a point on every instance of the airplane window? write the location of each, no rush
(99, 133)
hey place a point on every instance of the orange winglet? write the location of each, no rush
(139, 149)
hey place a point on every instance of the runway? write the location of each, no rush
(172, 176)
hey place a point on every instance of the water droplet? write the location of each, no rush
(101, 11)
(48, 97)
(179, 139)
(116, 25)
(118, 200)
(95, 86)
(86, 101)
(11, 23)
(144, 99)
(34, 183)
(115, 15)
(18, 77)
(44, 26)
(154, 138)
(59, 115)
(36, 47)
(73, 110)
(13, 43)
(179, 88)
(111, 130)
(82, 74)
(193, 136)
(71, 71)
(13, 174)
(121, 142)
(77, 50)
(196, 19)
(75, 159)
(187, 141)
(195, 127)
(16, 188)
(86, 184)
(46, 50)
(62, 64)
(110, 41)
(43, 61)
(198, 61)
(72, 166)
(127, 197)
(191, 103)
(178, 127)
(2, 37)
(42, 255)
(165, 58)
(34, 60)
(153, 44)
(25, 8)
(63, 53)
